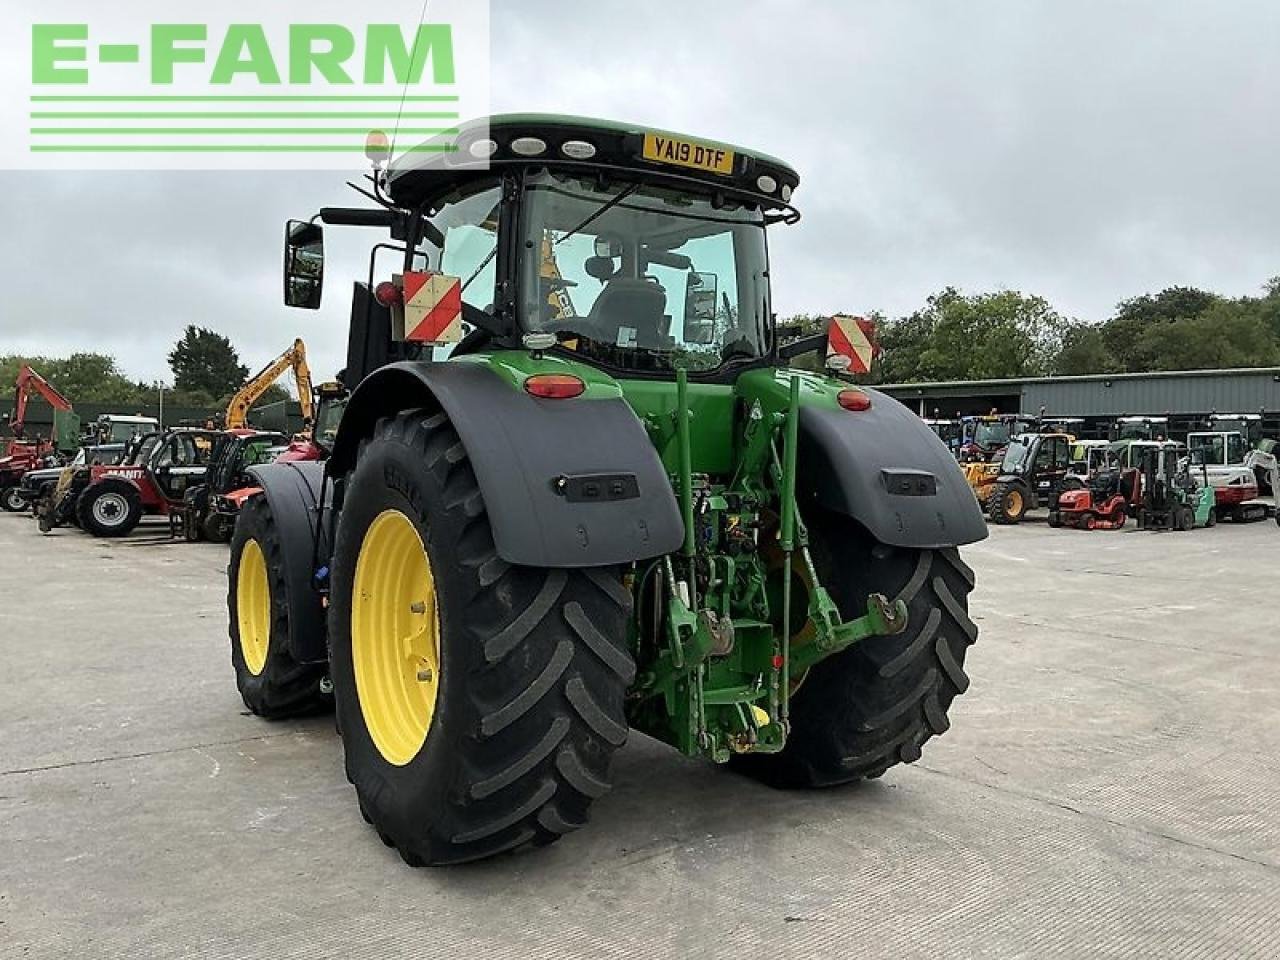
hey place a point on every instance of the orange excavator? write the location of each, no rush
(21, 453)
(293, 358)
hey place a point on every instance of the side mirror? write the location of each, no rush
(700, 293)
(303, 264)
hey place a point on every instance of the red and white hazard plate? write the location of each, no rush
(432, 307)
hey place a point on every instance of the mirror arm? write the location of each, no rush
(798, 348)
(397, 220)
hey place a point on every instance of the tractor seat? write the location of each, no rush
(626, 304)
(1104, 484)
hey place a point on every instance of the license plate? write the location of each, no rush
(686, 153)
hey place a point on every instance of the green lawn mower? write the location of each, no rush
(577, 491)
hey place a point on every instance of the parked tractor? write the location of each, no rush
(983, 439)
(110, 500)
(39, 484)
(121, 428)
(205, 513)
(1091, 457)
(612, 505)
(209, 510)
(1071, 426)
(948, 431)
(1034, 470)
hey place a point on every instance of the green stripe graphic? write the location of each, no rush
(40, 115)
(213, 131)
(225, 148)
(241, 99)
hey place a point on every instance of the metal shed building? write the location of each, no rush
(1103, 395)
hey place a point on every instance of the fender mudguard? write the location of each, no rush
(293, 493)
(890, 472)
(567, 483)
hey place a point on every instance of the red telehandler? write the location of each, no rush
(22, 454)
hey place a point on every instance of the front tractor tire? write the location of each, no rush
(1009, 503)
(109, 509)
(480, 703)
(273, 684)
(874, 705)
(10, 501)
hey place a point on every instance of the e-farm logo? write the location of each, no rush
(136, 84)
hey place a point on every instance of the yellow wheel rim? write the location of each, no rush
(395, 637)
(1015, 503)
(253, 607)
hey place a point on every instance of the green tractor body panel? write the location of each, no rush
(514, 367)
(711, 426)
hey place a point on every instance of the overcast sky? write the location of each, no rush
(1084, 151)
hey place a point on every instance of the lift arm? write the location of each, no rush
(27, 381)
(295, 359)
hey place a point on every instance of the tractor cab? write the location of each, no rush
(1072, 426)
(984, 438)
(235, 452)
(118, 428)
(1248, 425)
(1126, 429)
(1090, 457)
(948, 431)
(181, 459)
(634, 252)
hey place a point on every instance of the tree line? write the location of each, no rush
(1009, 334)
(205, 365)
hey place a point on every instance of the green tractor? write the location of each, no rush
(611, 507)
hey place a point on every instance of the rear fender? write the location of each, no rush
(566, 483)
(293, 493)
(885, 468)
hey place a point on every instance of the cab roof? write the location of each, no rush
(546, 139)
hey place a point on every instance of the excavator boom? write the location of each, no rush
(294, 358)
(28, 380)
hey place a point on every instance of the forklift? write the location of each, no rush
(1171, 498)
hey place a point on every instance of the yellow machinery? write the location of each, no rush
(294, 358)
(981, 476)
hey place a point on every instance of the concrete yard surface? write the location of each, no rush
(1110, 787)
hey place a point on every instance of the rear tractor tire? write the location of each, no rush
(874, 705)
(480, 703)
(272, 683)
(109, 509)
(1008, 503)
